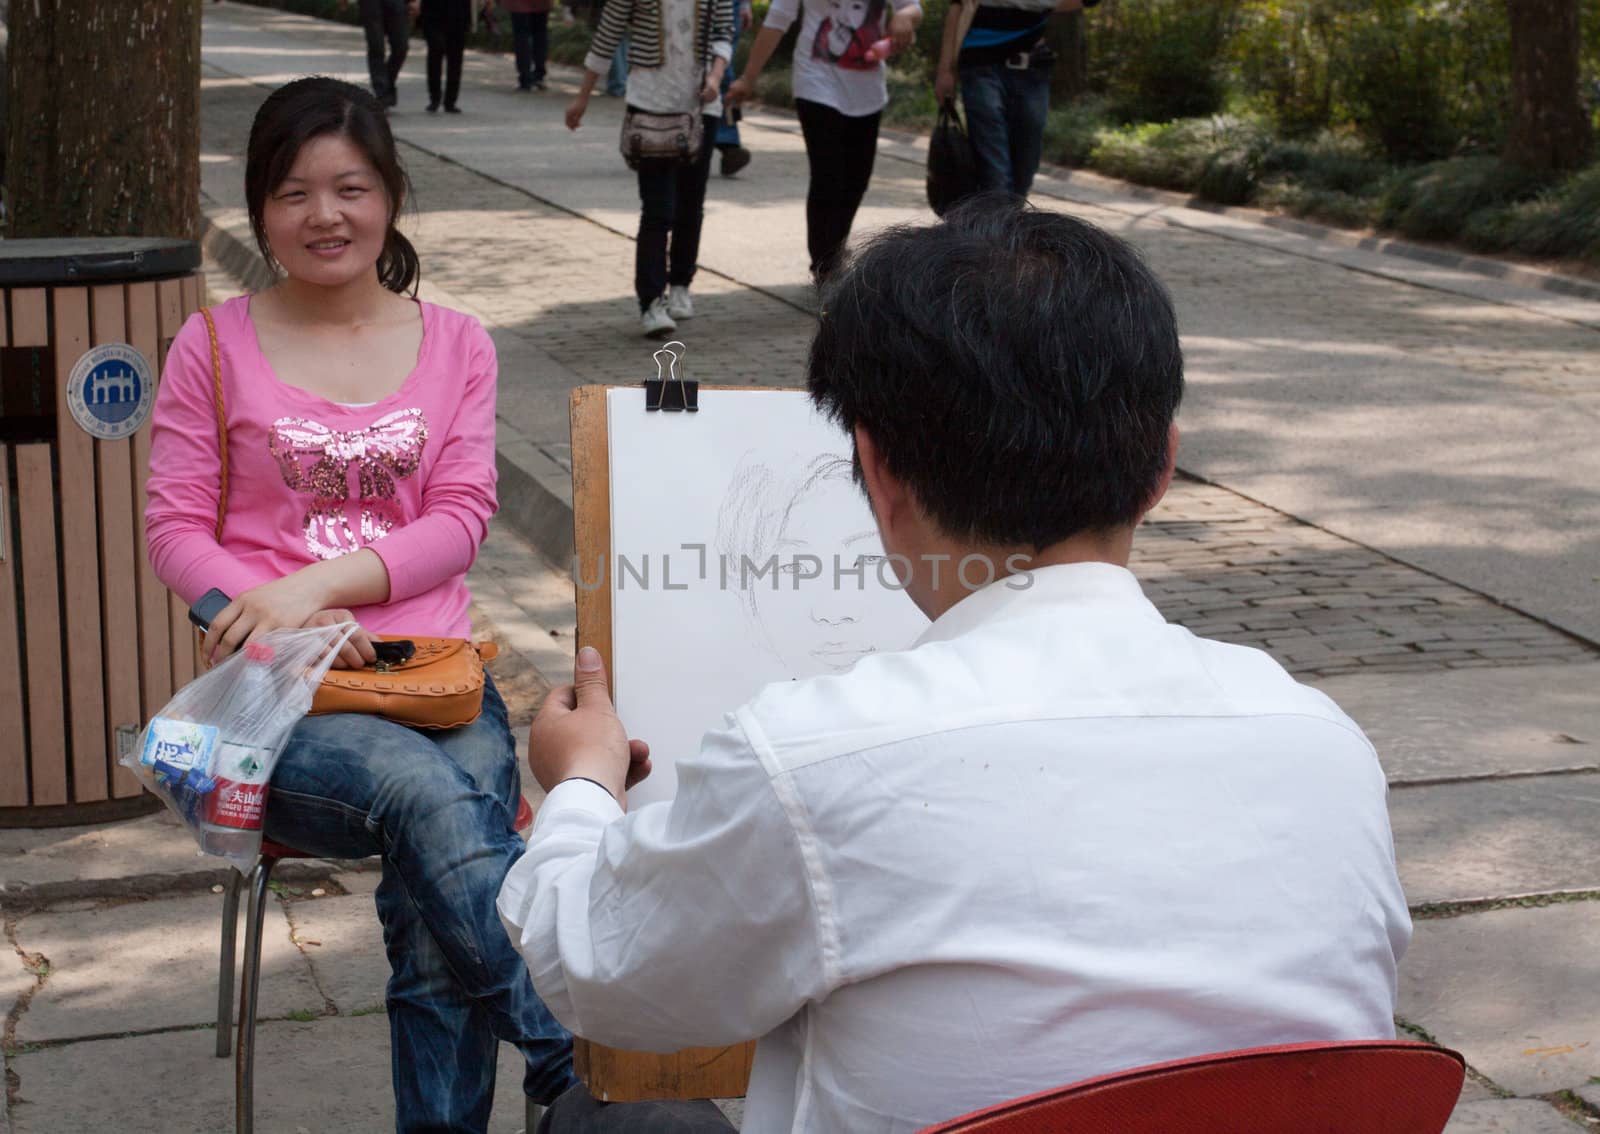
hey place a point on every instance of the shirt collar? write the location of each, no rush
(1099, 586)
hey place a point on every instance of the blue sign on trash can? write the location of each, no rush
(111, 391)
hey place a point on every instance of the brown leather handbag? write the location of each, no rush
(439, 686)
(436, 685)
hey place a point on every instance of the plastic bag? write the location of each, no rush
(210, 751)
(952, 169)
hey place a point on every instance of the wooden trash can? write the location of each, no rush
(94, 644)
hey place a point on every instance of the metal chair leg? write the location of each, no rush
(230, 933)
(249, 985)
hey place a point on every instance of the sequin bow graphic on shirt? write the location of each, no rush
(317, 460)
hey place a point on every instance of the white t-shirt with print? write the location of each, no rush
(830, 66)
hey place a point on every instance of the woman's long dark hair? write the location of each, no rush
(305, 109)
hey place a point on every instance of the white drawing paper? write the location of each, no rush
(742, 553)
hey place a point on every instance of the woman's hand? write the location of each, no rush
(944, 86)
(740, 92)
(357, 650)
(576, 110)
(710, 89)
(289, 601)
(903, 28)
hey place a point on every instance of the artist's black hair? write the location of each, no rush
(308, 108)
(1017, 369)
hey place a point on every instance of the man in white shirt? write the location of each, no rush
(1058, 837)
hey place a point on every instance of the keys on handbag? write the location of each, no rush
(391, 654)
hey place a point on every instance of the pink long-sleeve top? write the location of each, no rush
(412, 476)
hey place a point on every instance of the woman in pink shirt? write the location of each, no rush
(360, 425)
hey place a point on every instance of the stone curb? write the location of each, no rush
(20, 897)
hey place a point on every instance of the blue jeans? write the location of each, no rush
(439, 807)
(617, 76)
(1006, 110)
(727, 130)
(530, 39)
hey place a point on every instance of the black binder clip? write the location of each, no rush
(669, 391)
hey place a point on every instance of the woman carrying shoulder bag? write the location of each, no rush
(359, 481)
(678, 50)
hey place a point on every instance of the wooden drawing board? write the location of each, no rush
(610, 1074)
(669, 510)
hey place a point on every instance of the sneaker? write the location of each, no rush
(734, 158)
(656, 323)
(679, 305)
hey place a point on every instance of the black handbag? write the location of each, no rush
(952, 169)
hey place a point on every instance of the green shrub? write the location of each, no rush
(1393, 78)
(1159, 60)
(1072, 131)
(1332, 161)
(1434, 202)
(1175, 155)
(1563, 222)
(1330, 206)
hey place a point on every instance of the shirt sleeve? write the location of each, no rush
(780, 14)
(185, 480)
(459, 495)
(615, 16)
(724, 12)
(682, 924)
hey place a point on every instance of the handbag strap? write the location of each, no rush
(222, 421)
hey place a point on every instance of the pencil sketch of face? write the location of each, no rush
(803, 511)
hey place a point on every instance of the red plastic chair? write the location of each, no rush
(1361, 1087)
(244, 1060)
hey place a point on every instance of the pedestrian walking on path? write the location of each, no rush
(997, 53)
(445, 23)
(680, 49)
(734, 155)
(839, 93)
(359, 447)
(386, 23)
(530, 40)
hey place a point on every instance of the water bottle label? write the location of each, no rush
(173, 749)
(236, 804)
(241, 793)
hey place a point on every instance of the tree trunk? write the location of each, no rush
(103, 118)
(1549, 128)
(1065, 37)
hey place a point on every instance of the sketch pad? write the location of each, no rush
(710, 527)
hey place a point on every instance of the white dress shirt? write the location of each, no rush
(1056, 838)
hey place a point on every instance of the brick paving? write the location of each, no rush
(1231, 569)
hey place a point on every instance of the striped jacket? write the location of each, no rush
(641, 20)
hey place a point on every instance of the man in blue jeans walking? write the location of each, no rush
(998, 54)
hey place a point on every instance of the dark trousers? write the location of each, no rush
(530, 38)
(1006, 112)
(672, 199)
(577, 1112)
(840, 151)
(445, 24)
(385, 20)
